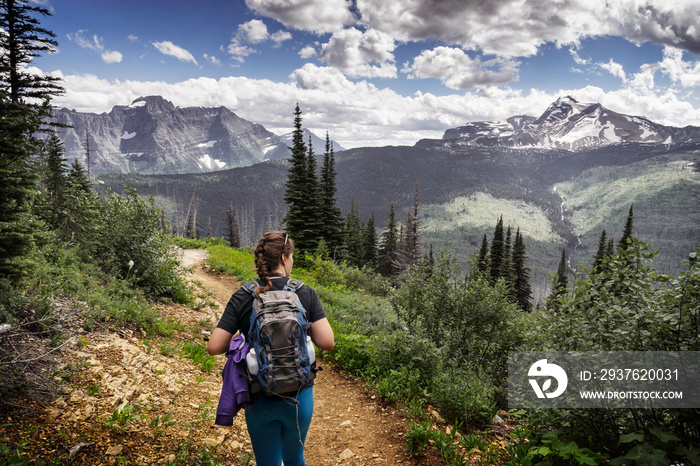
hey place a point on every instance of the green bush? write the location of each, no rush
(133, 247)
(463, 395)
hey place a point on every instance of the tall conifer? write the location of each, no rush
(332, 215)
(497, 250)
(482, 261)
(521, 285)
(388, 245)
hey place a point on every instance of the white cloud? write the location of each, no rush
(458, 71)
(132, 38)
(253, 32)
(359, 113)
(95, 44)
(615, 69)
(320, 16)
(307, 52)
(112, 57)
(679, 70)
(212, 59)
(357, 53)
(577, 58)
(168, 48)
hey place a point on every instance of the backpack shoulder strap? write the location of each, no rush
(293, 285)
(250, 287)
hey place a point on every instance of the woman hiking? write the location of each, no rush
(277, 425)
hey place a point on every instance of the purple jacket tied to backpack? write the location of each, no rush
(235, 393)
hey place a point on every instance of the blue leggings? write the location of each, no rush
(278, 431)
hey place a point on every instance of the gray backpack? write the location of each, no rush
(282, 360)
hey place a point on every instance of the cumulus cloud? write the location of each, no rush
(253, 32)
(319, 16)
(360, 54)
(95, 44)
(307, 52)
(168, 48)
(615, 69)
(577, 58)
(678, 70)
(458, 71)
(111, 57)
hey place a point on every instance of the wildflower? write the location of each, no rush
(130, 264)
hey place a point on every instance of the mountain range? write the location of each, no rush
(561, 178)
(152, 136)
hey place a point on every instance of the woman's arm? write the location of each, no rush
(219, 341)
(322, 334)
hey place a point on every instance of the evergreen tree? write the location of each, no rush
(600, 253)
(482, 261)
(24, 101)
(497, 251)
(296, 178)
(55, 180)
(304, 218)
(352, 234)
(388, 245)
(610, 249)
(506, 265)
(81, 209)
(521, 285)
(369, 244)
(409, 247)
(627, 232)
(232, 231)
(560, 282)
(332, 215)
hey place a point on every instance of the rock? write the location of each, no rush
(497, 419)
(346, 454)
(346, 424)
(502, 413)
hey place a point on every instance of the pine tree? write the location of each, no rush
(352, 234)
(332, 215)
(296, 178)
(409, 246)
(627, 232)
(55, 180)
(600, 253)
(81, 208)
(482, 261)
(232, 231)
(304, 218)
(506, 265)
(497, 251)
(24, 101)
(388, 245)
(560, 281)
(369, 244)
(521, 285)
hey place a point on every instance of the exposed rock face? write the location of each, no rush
(570, 125)
(152, 136)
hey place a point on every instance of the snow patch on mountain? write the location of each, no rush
(128, 135)
(210, 163)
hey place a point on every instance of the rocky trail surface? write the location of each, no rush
(130, 399)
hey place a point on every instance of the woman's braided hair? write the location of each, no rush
(271, 247)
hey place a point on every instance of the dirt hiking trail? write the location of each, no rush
(130, 399)
(349, 426)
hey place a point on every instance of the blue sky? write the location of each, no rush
(374, 72)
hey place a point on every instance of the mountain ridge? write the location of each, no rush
(571, 125)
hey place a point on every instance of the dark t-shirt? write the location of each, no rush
(236, 316)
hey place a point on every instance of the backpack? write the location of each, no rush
(282, 360)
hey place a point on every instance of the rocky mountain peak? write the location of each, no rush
(153, 104)
(571, 125)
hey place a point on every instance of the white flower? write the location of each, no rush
(130, 264)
